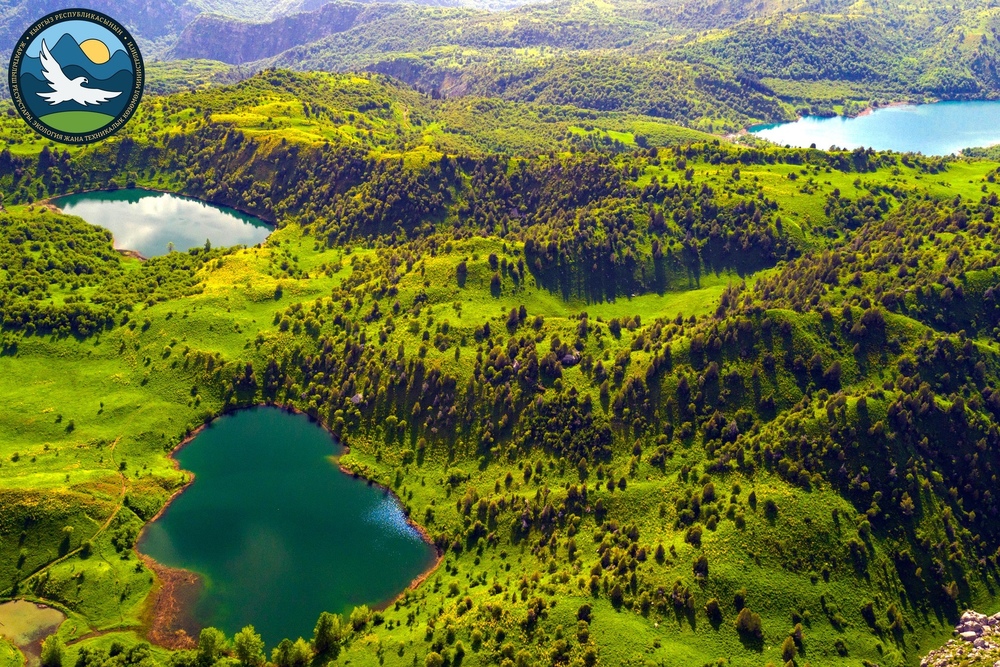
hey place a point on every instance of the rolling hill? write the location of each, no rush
(655, 393)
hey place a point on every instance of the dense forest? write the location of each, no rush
(724, 65)
(718, 67)
(655, 392)
(654, 397)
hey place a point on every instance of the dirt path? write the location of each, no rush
(104, 526)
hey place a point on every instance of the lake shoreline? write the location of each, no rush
(48, 200)
(872, 108)
(172, 584)
(420, 530)
(928, 127)
(165, 604)
(49, 203)
(417, 528)
(867, 111)
(163, 597)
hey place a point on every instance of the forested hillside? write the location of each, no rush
(719, 66)
(654, 397)
(682, 61)
(656, 392)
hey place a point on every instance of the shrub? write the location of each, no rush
(327, 634)
(770, 509)
(713, 611)
(788, 649)
(52, 652)
(708, 493)
(700, 567)
(748, 624)
(212, 645)
(617, 597)
(740, 599)
(360, 617)
(249, 647)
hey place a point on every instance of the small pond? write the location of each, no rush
(277, 532)
(151, 223)
(932, 129)
(27, 624)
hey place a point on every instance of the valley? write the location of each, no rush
(492, 340)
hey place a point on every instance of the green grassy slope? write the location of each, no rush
(678, 61)
(665, 384)
(375, 113)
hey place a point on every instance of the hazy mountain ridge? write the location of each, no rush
(652, 86)
(150, 21)
(157, 24)
(217, 37)
(892, 51)
(410, 27)
(876, 51)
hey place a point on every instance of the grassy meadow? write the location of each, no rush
(692, 404)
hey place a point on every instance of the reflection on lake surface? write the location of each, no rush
(277, 532)
(149, 222)
(932, 129)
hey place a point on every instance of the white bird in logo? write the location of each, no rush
(65, 90)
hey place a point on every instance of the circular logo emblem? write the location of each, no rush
(76, 76)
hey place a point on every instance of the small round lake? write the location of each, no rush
(932, 129)
(27, 624)
(149, 222)
(277, 532)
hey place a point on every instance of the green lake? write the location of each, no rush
(277, 532)
(148, 222)
(932, 129)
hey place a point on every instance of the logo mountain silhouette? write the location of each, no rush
(68, 54)
(65, 89)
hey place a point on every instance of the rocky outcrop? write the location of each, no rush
(423, 75)
(977, 643)
(147, 20)
(236, 42)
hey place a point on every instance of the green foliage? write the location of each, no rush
(53, 652)
(117, 654)
(212, 645)
(60, 275)
(328, 635)
(292, 654)
(360, 616)
(619, 389)
(748, 624)
(248, 647)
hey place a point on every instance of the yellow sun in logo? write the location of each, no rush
(96, 50)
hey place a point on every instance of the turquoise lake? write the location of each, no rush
(148, 222)
(932, 129)
(277, 533)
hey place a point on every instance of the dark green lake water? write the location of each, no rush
(147, 221)
(277, 532)
(932, 129)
